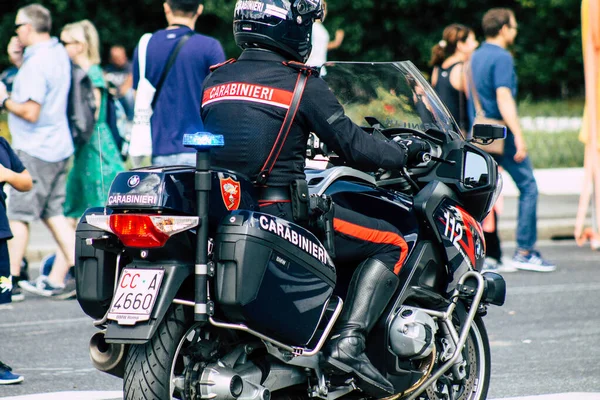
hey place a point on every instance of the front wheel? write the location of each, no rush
(476, 383)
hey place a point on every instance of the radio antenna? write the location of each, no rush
(101, 166)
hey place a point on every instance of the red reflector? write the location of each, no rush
(137, 231)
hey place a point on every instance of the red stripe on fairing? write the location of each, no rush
(247, 92)
(469, 221)
(374, 236)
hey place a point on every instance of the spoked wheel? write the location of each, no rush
(476, 383)
(155, 370)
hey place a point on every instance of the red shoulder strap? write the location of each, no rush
(216, 66)
(301, 67)
(263, 176)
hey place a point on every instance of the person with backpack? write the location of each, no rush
(41, 138)
(97, 159)
(176, 59)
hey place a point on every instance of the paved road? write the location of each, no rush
(544, 340)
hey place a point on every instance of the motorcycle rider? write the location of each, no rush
(246, 102)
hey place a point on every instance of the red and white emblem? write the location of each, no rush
(230, 193)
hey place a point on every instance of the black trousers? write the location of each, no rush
(492, 241)
(357, 237)
(5, 280)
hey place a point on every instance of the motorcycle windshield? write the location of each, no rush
(395, 93)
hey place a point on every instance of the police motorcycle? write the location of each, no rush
(196, 294)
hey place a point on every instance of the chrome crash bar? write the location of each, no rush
(447, 316)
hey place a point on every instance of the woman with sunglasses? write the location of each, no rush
(97, 161)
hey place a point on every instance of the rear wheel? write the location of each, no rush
(476, 383)
(152, 369)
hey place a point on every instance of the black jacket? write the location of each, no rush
(246, 102)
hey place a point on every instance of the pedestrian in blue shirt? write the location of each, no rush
(177, 107)
(495, 80)
(14, 173)
(37, 119)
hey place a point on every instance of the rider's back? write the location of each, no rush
(246, 102)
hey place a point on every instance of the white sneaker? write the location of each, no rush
(41, 286)
(532, 262)
(493, 265)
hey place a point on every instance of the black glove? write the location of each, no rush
(415, 148)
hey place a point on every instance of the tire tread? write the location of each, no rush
(148, 366)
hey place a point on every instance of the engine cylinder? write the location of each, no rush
(220, 383)
(412, 334)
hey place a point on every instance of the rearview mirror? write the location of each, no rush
(489, 132)
(475, 173)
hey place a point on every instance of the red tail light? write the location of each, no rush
(140, 230)
(137, 231)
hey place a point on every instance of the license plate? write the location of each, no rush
(135, 295)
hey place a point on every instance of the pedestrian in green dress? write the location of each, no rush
(98, 161)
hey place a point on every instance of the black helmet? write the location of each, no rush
(284, 26)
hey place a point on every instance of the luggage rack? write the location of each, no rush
(294, 350)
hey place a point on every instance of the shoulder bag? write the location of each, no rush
(145, 98)
(496, 146)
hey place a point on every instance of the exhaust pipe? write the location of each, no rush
(108, 357)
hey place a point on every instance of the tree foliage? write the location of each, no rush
(547, 52)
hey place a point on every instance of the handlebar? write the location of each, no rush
(316, 148)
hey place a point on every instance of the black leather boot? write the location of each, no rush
(371, 289)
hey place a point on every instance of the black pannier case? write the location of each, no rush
(94, 270)
(272, 275)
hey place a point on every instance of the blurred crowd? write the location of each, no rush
(64, 138)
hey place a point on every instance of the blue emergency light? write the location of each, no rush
(203, 140)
